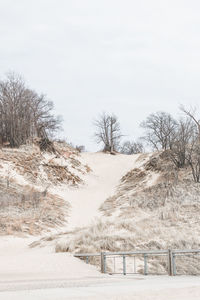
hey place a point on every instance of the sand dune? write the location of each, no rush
(40, 273)
(100, 184)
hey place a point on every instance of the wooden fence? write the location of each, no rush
(169, 254)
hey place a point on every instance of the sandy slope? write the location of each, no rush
(19, 262)
(40, 273)
(101, 183)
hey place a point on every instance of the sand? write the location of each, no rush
(42, 274)
(100, 184)
(129, 288)
(19, 262)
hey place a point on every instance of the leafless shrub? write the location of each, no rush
(46, 145)
(193, 153)
(80, 148)
(129, 147)
(193, 159)
(183, 138)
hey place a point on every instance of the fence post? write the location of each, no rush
(114, 265)
(134, 265)
(103, 262)
(124, 264)
(171, 263)
(145, 264)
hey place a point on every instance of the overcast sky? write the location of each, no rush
(129, 57)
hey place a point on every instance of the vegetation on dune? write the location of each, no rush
(26, 203)
(153, 202)
(24, 210)
(156, 206)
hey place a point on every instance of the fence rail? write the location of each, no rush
(145, 254)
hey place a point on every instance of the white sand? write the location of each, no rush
(129, 288)
(42, 274)
(19, 262)
(107, 171)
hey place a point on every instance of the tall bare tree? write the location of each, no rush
(108, 131)
(23, 113)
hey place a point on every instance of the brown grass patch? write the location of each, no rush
(26, 210)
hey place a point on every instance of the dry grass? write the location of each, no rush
(152, 232)
(40, 168)
(27, 171)
(26, 210)
(155, 207)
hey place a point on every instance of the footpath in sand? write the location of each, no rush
(107, 170)
(19, 263)
(42, 274)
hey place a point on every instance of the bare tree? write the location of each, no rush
(191, 114)
(108, 131)
(129, 147)
(193, 154)
(23, 113)
(183, 138)
(159, 128)
(193, 159)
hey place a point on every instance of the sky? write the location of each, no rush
(126, 57)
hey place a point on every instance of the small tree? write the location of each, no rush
(191, 114)
(129, 148)
(193, 153)
(108, 131)
(159, 130)
(193, 158)
(184, 136)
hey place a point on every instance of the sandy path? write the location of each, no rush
(19, 262)
(42, 274)
(107, 171)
